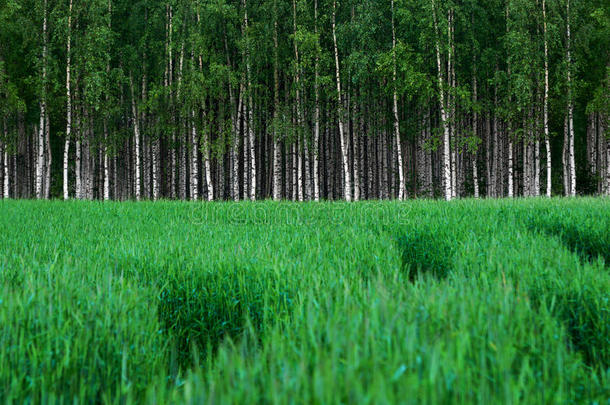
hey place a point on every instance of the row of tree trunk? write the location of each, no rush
(149, 168)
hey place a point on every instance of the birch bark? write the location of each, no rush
(572, 162)
(43, 108)
(401, 175)
(347, 186)
(444, 121)
(547, 140)
(136, 134)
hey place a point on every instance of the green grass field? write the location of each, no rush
(422, 302)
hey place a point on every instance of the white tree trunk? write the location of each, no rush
(295, 171)
(4, 168)
(208, 169)
(526, 168)
(207, 140)
(277, 153)
(170, 79)
(537, 168)
(475, 175)
(194, 184)
(40, 155)
(48, 158)
(357, 169)
(572, 154)
(251, 140)
(65, 169)
(43, 107)
(572, 163)
(565, 160)
(547, 146)
(115, 183)
(302, 191)
(511, 186)
(353, 149)
(451, 104)
(277, 168)
(136, 134)
(454, 157)
(252, 193)
(106, 163)
(78, 170)
(496, 150)
(402, 190)
(173, 165)
(347, 185)
(183, 131)
(444, 121)
(600, 149)
(509, 135)
(475, 171)
(307, 166)
(277, 163)
(299, 170)
(69, 106)
(106, 169)
(316, 134)
(2, 162)
(602, 153)
(547, 141)
(235, 147)
(184, 135)
(6, 175)
(401, 176)
(607, 166)
(155, 169)
(235, 118)
(315, 146)
(475, 133)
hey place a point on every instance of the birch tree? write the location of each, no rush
(43, 109)
(347, 185)
(136, 138)
(570, 118)
(401, 176)
(444, 119)
(303, 99)
(547, 140)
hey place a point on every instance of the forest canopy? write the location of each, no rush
(303, 99)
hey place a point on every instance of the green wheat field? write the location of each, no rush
(477, 302)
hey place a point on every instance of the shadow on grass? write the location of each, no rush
(588, 240)
(582, 308)
(199, 312)
(586, 316)
(424, 254)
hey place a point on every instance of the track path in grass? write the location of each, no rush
(419, 302)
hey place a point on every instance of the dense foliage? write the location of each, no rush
(303, 99)
(423, 302)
